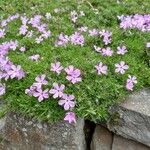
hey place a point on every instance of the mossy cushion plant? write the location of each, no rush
(71, 59)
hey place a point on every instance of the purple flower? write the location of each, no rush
(74, 16)
(129, 86)
(41, 94)
(121, 50)
(46, 34)
(82, 14)
(13, 45)
(62, 40)
(48, 16)
(93, 32)
(56, 67)
(2, 33)
(73, 74)
(97, 49)
(77, 39)
(57, 90)
(40, 80)
(29, 34)
(70, 117)
(22, 49)
(16, 72)
(35, 57)
(23, 30)
(106, 36)
(137, 21)
(101, 69)
(24, 20)
(2, 89)
(67, 101)
(31, 90)
(120, 68)
(39, 39)
(107, 51)
(132, 79)
(83, 29)
(148, 45)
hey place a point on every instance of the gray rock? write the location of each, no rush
(120, 143)
(102, 139)
(23, 133)
(131, 119)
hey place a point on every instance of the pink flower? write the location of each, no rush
(40, 80)
(13, 45)
(121, 50)
(62, 40)
(148, 45)
(129, 86)
(22, 49)
(31, 90)
(120, 68)
(107, 51)
(74, 16)
(41, 94)
(56, 67)
(83, 29)
(23, 30)
(82, 14)
(93, 32)
(77, 39)
(70, 117)
(48, 16)
(35, 57)
(67, 101)
(16, 72)
(132, 79)
(101, 69)
(73, 74)
(29, 34)
(57, 90)
(97, 49)
(2, 33)
(2, 89)
(39, 39)
(106, 36)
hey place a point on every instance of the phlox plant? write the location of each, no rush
(69, 60)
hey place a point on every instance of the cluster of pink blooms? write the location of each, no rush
(141, 22)
(4, 24)
(35, 22)
(76, 39)
(120, 67)
(57, 91)
(73, 74)
(121, 50)
(62, 40)
(7, 68)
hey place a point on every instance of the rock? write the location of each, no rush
(120, 143)
(19, 132)
(131, 119)
(102, 139)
